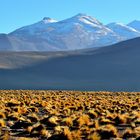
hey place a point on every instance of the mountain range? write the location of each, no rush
(78, 32)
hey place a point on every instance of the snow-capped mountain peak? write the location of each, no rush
(34, 29)
(81, 15)
(121, 25)
(135, 24)
(123, 30)
(48, 20)
(84, 18)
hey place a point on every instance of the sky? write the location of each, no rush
(17, 13)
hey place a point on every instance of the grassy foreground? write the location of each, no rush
(69, 115)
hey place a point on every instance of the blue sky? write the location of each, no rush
(17, 13)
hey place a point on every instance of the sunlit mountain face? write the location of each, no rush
(78, 32)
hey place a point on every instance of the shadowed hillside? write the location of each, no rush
(110, 68)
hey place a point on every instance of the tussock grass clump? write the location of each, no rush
(33, 117)
(53, 121)
(76, 135)
(108, 131)
(128, 133)
(38, 127)
(2, 115)
(29, 129)
(12, 103)
(137, 130)
(94, 136)
(2, 123)
(4, 135)
(65, 135)
(21, 124)
(13, 116)
(105, 121)
(67, 121)
(92, 114)
(83, 120)
(45, 133)
(58, 129)
(120, 119)
(33, 109)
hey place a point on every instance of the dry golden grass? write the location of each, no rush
(69, 115)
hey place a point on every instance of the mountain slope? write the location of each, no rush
(135, 24)
(124, 31)
(115, 68)
(5, 43)
(33, 29)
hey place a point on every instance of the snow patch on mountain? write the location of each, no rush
(124, 31)
(47, 20)
(135, 24)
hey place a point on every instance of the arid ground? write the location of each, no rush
(69, 115)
